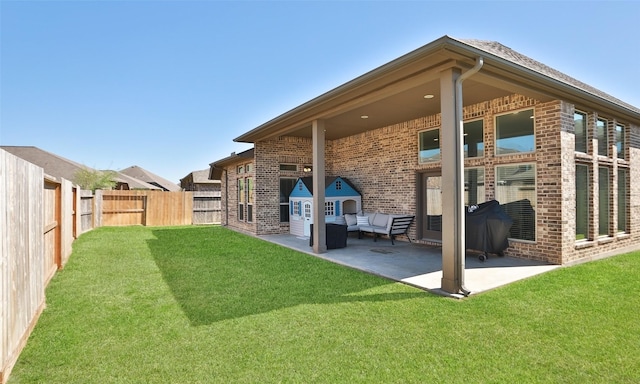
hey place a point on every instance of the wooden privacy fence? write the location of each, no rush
(41, 216)
(38, 223)
(207, 208)
(156, 208)
(151, 208)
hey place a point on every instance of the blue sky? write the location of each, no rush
(168, 85)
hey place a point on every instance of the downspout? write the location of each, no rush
(226, 198)
(460, 246)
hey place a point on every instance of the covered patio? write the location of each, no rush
(418, 265)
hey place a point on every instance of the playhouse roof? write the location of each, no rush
(329, 181)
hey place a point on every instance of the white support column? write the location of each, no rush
(453, 215)
(319, 229)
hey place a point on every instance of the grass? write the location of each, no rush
(208, 305)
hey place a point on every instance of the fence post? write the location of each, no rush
(97, 208)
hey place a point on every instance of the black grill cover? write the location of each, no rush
(487, 228)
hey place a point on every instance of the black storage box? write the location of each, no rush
(336, 236)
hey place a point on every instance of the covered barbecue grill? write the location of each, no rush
(487, 229)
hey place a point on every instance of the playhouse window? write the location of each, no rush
(329, 208)
(338, 185)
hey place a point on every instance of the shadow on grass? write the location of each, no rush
(217, 274)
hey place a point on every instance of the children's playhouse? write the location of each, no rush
(340, 197)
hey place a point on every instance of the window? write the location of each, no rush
(582, 202)
(338, 185)
(288, 167)
(473, 139)
(329, 208)
(248, 168)
(473, 186)
(603, 201)
(516, 191)
(623, 195)
(580, 124)
(429, 146)
(619, 137)
(286, 186)
(241, 199)
(240, 169)
(601, 135)
(249, 183)
(515, 133)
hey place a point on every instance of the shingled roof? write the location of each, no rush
(52, 164)
(151, 178)
(508, 54)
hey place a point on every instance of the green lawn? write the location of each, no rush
(208, 305)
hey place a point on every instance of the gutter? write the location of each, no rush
(459, 246)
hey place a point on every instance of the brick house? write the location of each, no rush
(453, 123)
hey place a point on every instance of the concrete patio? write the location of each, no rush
(418, 265)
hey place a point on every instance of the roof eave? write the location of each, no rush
(314, 107)
(548, 85)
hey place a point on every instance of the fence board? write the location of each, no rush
(22, 271)
(67, 220)
(52, 224)
(86, 211)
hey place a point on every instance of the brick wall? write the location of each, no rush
(383, 165)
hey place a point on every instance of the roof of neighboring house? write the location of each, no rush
(201, 177)
(151, 178)
(134, 183)
(52, 164)
(394, 92)
(215, 170)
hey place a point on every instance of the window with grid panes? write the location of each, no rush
(580, 124)
(516, 192)
(582, 202)
(603, 201)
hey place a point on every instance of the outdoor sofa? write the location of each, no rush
(379, 223)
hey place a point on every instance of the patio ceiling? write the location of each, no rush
(406, 105)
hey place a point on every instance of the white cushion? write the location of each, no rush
(340, 220)
(351, 219)
(362, 220)
(380, 220)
